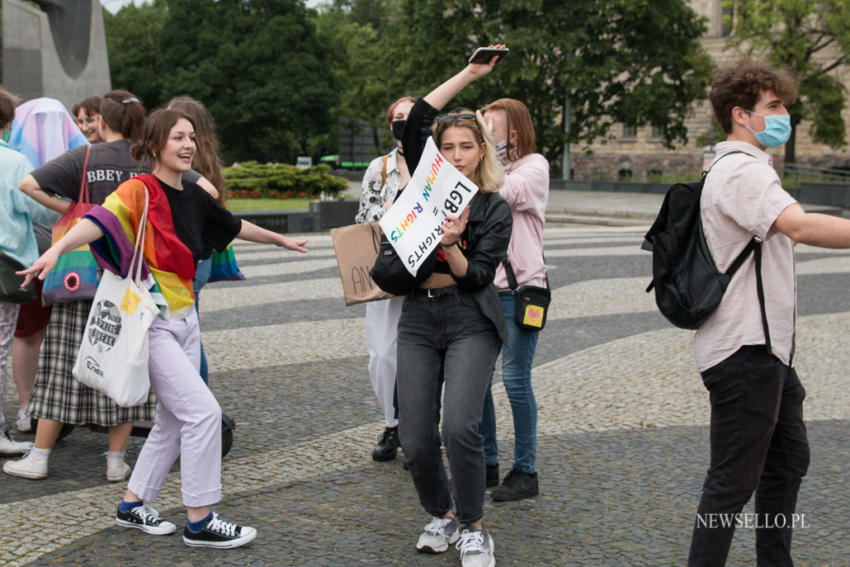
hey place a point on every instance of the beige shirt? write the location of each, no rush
(741, 198)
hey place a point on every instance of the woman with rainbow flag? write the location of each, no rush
(182, 219)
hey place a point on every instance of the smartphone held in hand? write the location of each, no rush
(485, 54)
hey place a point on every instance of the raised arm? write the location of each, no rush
(440, 96)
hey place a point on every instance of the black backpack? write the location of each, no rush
(688, 286)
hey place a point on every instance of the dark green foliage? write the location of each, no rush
(256, 64)
(812, 38)
(280, 180)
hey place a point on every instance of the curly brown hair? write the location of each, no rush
(743, 85)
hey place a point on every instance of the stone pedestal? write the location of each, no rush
(58, 52)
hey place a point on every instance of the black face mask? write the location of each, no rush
(398, 129)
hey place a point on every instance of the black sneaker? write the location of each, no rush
(516, 486)
(220, 534)
(146, 519)
(387, 446)
(493, 475)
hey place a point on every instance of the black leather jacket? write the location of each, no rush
(485, 239)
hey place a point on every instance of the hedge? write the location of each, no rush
(252, 180)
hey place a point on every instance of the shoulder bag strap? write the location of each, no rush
(509, 272)
(84, 184)
(139, 248)
(384, 171)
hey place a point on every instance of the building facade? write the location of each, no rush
(639, 154)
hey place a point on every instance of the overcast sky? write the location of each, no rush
(115, 5)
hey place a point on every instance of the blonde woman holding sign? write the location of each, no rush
(451, 328)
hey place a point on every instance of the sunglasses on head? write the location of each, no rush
(445, 117)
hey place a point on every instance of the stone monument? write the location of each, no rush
(58, 51)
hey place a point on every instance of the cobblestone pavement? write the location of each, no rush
(622, 429)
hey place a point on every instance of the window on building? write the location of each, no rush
(656, 133)
(629, 132)
(624, 175)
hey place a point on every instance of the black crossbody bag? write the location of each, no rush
(532, 302)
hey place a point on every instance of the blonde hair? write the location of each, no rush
(489, 175)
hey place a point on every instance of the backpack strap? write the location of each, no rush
(760, 288)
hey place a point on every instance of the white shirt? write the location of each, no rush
(741, 198)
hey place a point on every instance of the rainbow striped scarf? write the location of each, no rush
(168, 268)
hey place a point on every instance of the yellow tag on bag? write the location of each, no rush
(130, 302)
(533, 316)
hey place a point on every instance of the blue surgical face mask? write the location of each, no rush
(777, 129)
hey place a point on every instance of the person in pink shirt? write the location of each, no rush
(526, 190)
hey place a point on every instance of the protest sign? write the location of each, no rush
(435, 189)
(356, 247)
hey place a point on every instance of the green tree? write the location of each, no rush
(132, 42)
(810, 37)
(636, 62)
(256, 64)
(362, 38)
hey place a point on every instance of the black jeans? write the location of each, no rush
(447, 341)
(758, 442)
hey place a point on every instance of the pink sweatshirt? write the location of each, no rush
(526, 190)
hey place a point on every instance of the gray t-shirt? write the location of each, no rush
(110, 164)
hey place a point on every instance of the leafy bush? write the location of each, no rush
(252, 180)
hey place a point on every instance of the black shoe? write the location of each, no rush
(219, 534)
(516, 486)
(387, 446)
(492, 475)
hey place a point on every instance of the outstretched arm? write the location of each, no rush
(254, 233)
(83, 232)
(816, 229)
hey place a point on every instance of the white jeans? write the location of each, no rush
(188, 418)
(382, 341)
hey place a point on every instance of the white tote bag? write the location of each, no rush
(113, 357)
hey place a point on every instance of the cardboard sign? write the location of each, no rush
(435, 189)
(356, 247)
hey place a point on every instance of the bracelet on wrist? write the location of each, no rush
(448, 245)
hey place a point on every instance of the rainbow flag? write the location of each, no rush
(169, 267)
(43, 129)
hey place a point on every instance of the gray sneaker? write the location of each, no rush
(438, 535)
(476, 548)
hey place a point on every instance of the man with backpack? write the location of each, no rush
(758, 438)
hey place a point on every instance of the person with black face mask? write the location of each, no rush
(381, 183)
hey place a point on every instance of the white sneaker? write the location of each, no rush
(116, 469)
(10, 447)
(476, 548)
(438, 535)
(23, 423)
(31, 466)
